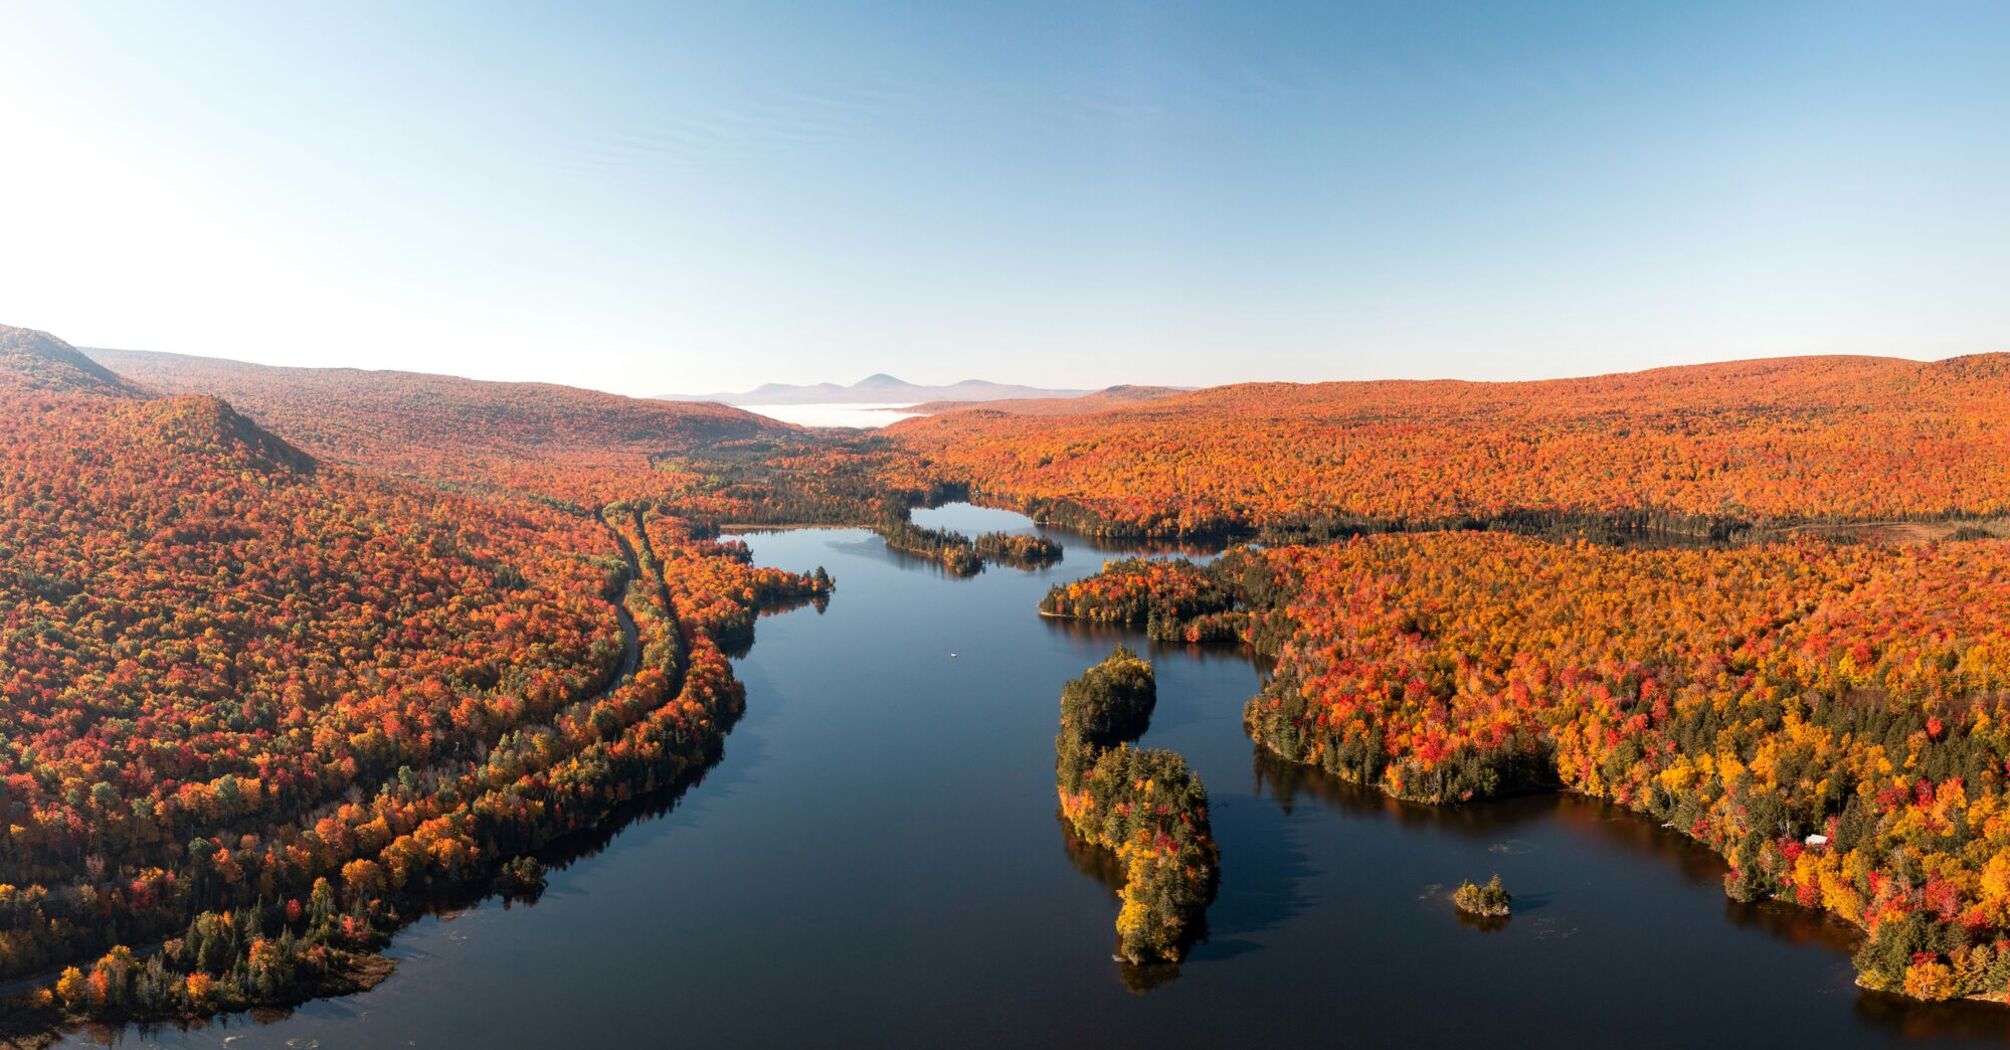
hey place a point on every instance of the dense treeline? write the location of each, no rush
(261, 703)
(1110, 704)
(264, 954)
(1702, 450)
(820, 478)
(1173, 599)
(952, 550)
(1141, 803)
(260, 709)
(1829, 717)
(204, 633)
(441, 831)
(960, 554)
(1490, 900)
(1022, 551)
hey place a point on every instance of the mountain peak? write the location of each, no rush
(205, 425)
(878, 379)
(40, 361)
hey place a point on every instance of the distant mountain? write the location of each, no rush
(591, 446)
(876, 389)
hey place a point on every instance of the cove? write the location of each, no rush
(877, 861)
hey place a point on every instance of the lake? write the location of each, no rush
(861, 417)
(877, 860)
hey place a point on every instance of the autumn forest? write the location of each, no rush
(292, 657)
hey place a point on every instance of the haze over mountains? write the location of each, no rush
(526, 436)
(876, 389)
(1096, 401)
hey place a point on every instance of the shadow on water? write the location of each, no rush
(1171, 714)
(1263, 875)
(557, 856)
(1484, 923)
(749, 756)
(1267, 874)
(1090, 859)
(1134, 636)
(1103, 867)
(1117, 548)
(1609, 825)
(738, 645)
(873, 867)
(1914, 1021)
(1288, 783)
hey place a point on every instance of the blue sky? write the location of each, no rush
(669, 197)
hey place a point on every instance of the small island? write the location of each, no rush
(1018, 551)
(958, 553)
(946, 547)
(1490, 901)
(1142, 804)
(520, 879)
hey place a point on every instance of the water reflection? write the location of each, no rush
(1609, 826)
(1152, 548)
(1102, 866)
(1287, 782)
(874, 864)
(1265, 872)
(1483, 923)
(1090, 859)
(1914, 1021)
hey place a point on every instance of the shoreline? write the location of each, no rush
(1554, 787)
(44, 1026)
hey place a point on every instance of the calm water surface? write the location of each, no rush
(877, 861)
(864, 417)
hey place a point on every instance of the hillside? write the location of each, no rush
(263, 702)
(552, 440)
(199, 622)
(1692, 448)
(267, 707)
(877, 389)
(32, 360)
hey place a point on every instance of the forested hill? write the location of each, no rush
(38, 369)
(559, 441)
(1766, 442)
(32, 360)
(257, 710)
(203, 634)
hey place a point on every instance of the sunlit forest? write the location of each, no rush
(289, 656)
(1705, 450)
(1828, 716)
(259, 709)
